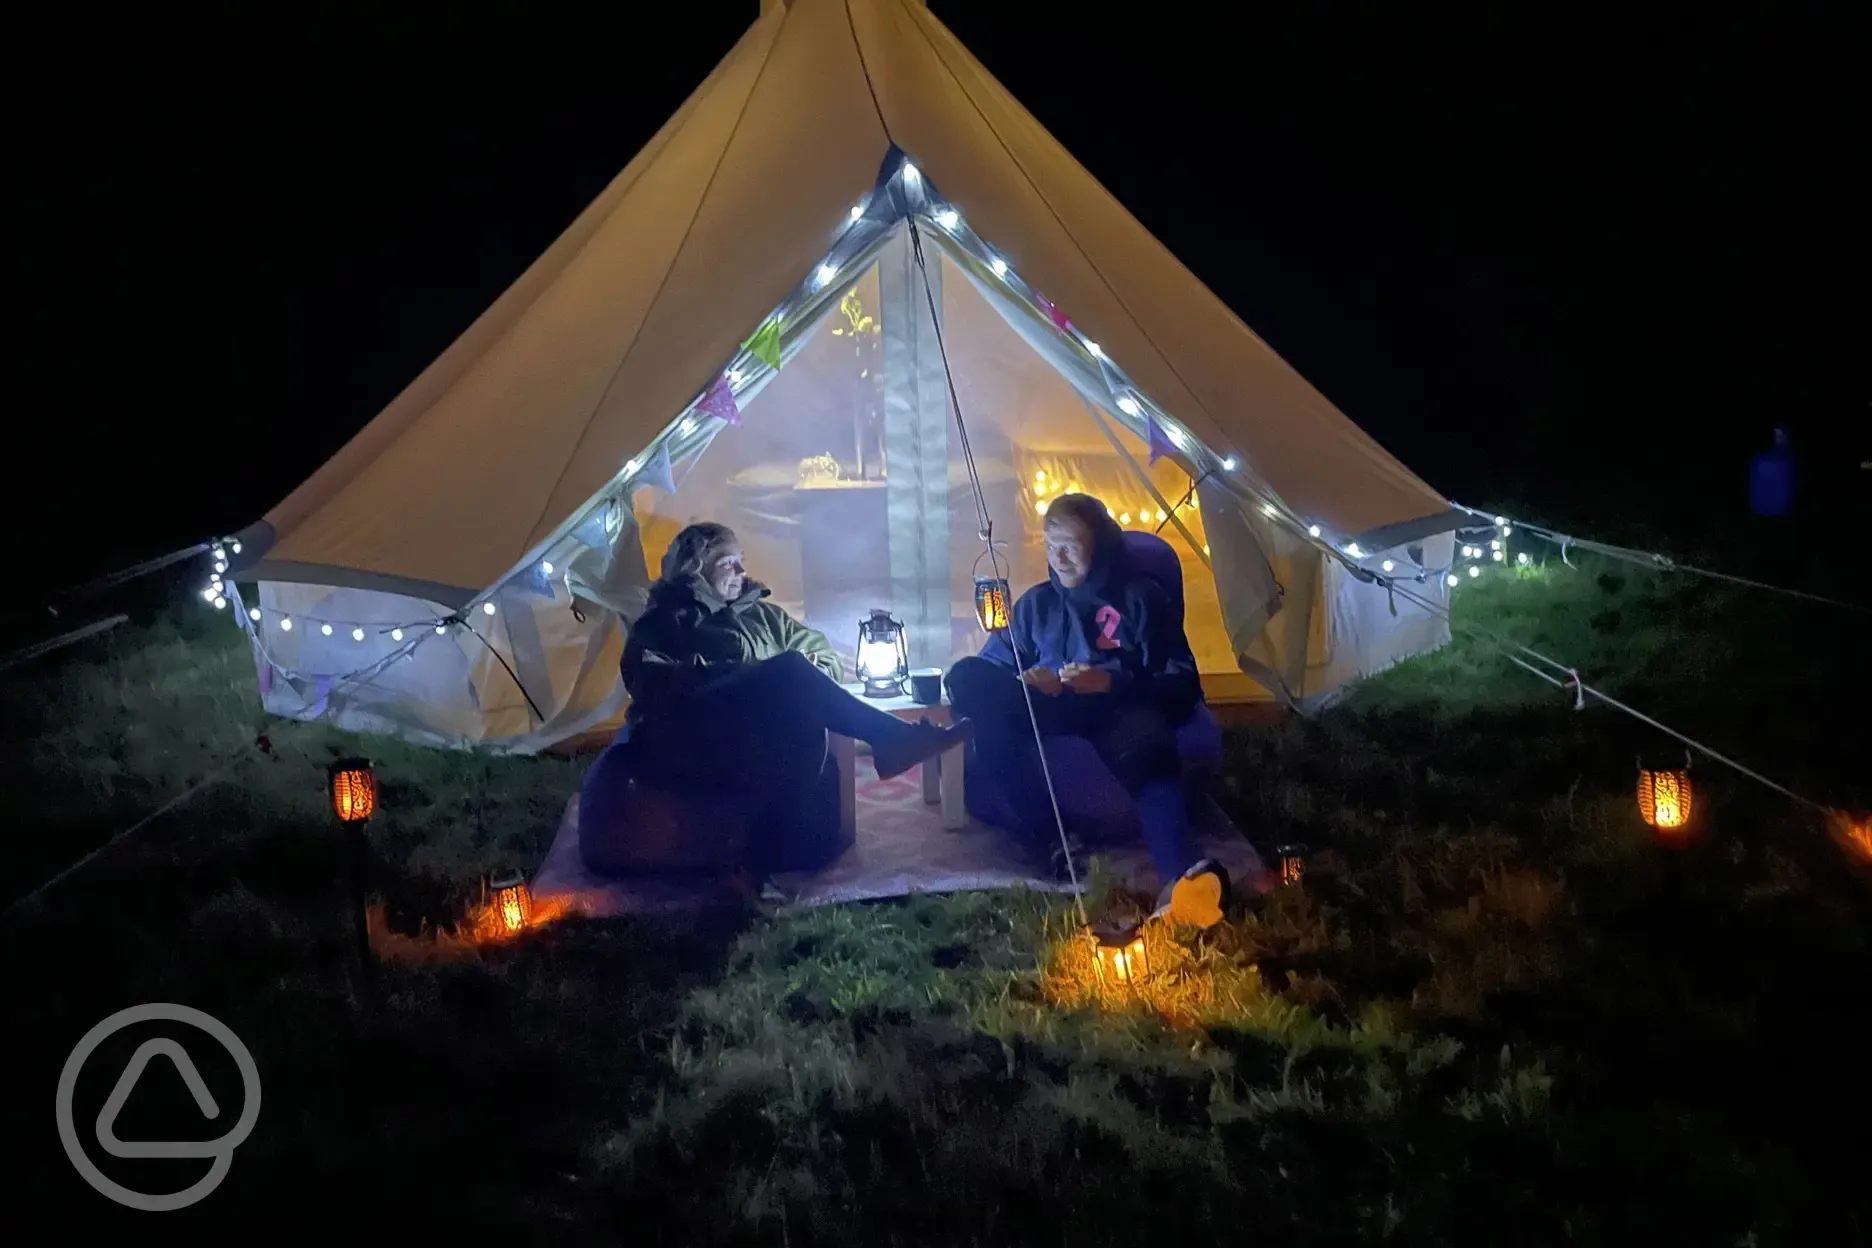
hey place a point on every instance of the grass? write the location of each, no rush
(1495, 1011)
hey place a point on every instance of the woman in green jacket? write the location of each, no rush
(726, 688)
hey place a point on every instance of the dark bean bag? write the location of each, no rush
(635, 819)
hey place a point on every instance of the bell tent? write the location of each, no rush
(853, 301)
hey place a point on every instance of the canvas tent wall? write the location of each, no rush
(779, 195)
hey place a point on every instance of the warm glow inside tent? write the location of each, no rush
(847, 254)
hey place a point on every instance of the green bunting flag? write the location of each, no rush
(765, 344)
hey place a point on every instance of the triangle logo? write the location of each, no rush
(126, 1083)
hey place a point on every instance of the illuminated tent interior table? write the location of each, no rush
(942, 775)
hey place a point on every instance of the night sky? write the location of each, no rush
(1581, 265)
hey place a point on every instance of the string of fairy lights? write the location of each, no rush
(858, 229)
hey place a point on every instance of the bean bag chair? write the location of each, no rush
(1092, 801)
(636, 819)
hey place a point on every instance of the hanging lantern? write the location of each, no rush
(353, 788)
(1292, 863)
(513, 903)
(991, 602)
(1119, 954)
(1664, 798)
(883, 661)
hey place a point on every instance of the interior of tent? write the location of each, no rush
(843, 506)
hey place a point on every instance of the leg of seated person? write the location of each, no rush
(789, 684)
(1138, 744)
(991, 696)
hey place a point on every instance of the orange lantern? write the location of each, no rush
(1664, 798)
(513, 903)
(991, 602)
(353, 787)
(1292, 863)
(1854, 833)
(1119, 954)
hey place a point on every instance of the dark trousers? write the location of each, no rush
(1136, 741)
(757, 729)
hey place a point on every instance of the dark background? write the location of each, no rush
(1576, 264)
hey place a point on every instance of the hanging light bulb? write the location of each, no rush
(911, 174)
(1475, 570)
(857, 212)
(948, 218)
(218, 553)
(214, 578)
(1352, 548)
(734, 376)
(825, 273)
(687, 426)
(631, 466)
(235, 547)
(1387, 565)
(1205, 548)
(1499, 556)
(253, 613)
(487, 608)
(546, 566)
(325, 629)
(440, 629)
(221, 565)
(220, 602)
(1501, 519)
(396, 634)
(1039, 509)
(1313, 530)
(1267, 509)
(1522, 559)
(1494, 544)
(1098, 352)
(1228, 463)
(1162, 515)
(1039, 476)
(1129, 406)
(999, 266)
(208, 595)
(357, 634)
(285, 623)
(1451, 580)
(1124, 518)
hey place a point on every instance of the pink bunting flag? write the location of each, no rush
(719, 401)
(1159, 441)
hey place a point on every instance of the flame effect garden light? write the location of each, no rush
(1292, 863)
(351, 784)
(513, 903)
(1664, 798)
(1119, 954)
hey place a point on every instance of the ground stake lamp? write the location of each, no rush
(1664, 798)
(1292, 863)
(352, 786)
(513, 903)
(883, 660)
(1119, 954)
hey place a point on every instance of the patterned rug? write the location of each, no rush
(902, 848)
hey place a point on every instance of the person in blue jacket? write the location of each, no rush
(1101, 649)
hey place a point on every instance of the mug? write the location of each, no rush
(926, 686)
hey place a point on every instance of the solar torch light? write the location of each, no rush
(352, 786)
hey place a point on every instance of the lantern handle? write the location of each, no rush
(987, 551)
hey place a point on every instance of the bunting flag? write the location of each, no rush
(719, 401)
(1060, 322)
(765, 344)
(1160, 444)
(592, 530)
(656, 471)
